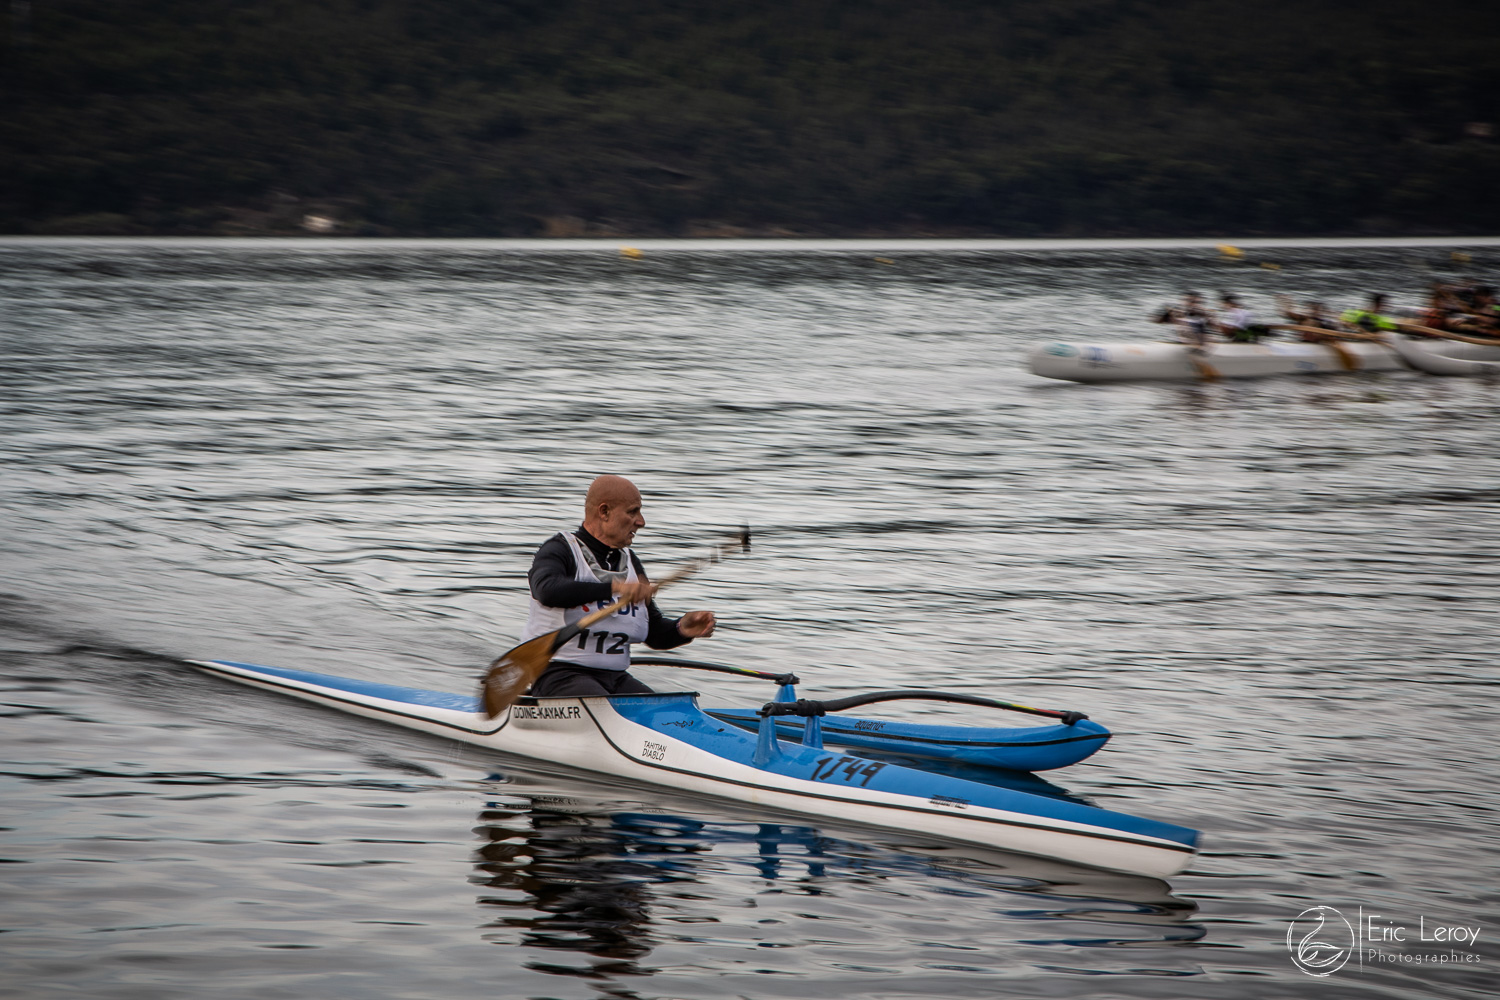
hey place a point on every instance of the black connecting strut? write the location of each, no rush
(718, 668)
(807, 707)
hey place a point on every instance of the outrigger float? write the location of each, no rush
(666, 739)
(1119, 361)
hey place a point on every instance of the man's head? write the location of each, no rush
(612, 511)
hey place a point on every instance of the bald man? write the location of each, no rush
(574, 574)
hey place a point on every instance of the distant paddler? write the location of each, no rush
(1444, 303)
(1236, 323)
(1308, 320)
(1314, 326)
(1373, 319)
(1193, 323)
(577, 573)
(1481, 313)
(1374, 323)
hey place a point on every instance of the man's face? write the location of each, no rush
(620, 518)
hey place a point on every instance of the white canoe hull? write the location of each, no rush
(1120, 361)
(598, 734)
(1448, 357)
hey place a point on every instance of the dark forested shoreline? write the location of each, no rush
(781, 117)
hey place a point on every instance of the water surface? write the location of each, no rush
(340, 456)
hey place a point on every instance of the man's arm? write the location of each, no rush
(661, 631)
(552, 578)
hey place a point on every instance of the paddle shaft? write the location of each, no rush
(1426, 331)
(1330, 339)
(681, 573)
(1330, 334)
(1429, 331)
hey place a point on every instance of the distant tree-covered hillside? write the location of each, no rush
(572, 117)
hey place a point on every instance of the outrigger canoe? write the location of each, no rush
(666, 739)
(1119, 361)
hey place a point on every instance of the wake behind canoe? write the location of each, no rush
(665, 739)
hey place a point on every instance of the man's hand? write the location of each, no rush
(636, 593)
(696, 624)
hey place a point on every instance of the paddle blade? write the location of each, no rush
(1206, 371)
(513, 672)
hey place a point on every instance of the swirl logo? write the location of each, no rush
(1320, 940)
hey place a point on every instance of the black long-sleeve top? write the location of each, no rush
(554, 583)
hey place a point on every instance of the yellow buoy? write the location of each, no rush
(630, 252)
(1229, 251)
(1460, 258)
(884, 260)
(1269, 266)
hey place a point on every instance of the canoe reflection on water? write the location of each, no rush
(581, 887)
(582, 876)
(588, 879)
